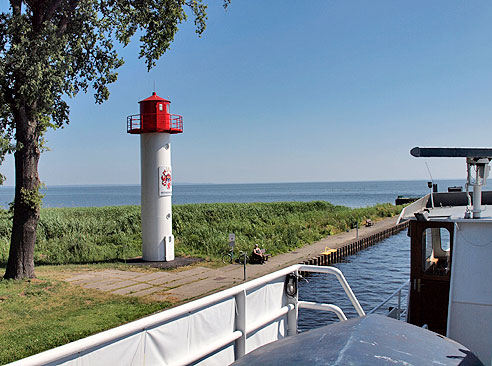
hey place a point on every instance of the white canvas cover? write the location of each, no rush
(177, 339)
(262, 301)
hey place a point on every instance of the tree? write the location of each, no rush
(51, 50)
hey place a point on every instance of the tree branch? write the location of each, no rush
(9, 95)
(50, 9)
(16, 7)
(62, 25)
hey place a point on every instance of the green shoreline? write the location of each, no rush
(95, 234)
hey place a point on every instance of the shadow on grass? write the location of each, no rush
(3, 264)
(177, 262)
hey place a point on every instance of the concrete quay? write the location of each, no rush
(191, 282)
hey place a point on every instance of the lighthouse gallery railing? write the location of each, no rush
(134, 122)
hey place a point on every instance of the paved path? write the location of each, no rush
(196, 281)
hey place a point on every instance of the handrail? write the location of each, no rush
(323, 307)
(262, 322)
(109, 336)
(396, 292)
(218, 344)
(341, 280)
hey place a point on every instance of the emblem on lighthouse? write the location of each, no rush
(165, 181)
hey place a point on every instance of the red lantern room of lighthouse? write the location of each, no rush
(155, 125)
(154, 117)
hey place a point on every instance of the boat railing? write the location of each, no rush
(323, 307)
(236, 319)
(330, 307)
(395, 312)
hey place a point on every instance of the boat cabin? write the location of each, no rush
(450, 272)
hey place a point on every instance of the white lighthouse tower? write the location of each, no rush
(155, 125)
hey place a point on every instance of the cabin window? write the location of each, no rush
(435, 250)
(160, 107)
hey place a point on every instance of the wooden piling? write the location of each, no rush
(356, 246)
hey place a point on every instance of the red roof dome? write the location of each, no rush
(156, 98)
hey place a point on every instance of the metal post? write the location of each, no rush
(357, 230)
(244, 265)
(240, 346)
(477, 191)
(293, 314)
(399, 305)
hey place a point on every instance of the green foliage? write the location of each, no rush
(84, 235)
(279, 227)
(71, 235)
(42, 314)
(31, 198)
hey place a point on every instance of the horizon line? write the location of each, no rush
(240, 183)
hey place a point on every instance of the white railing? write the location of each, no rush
(323, 307)
(240, 337)
(330, 307)
(396, 312)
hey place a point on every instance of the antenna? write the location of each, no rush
(154, 86)
(430, 174)
(477, 157)
(431, 185)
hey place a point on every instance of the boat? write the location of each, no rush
(451, 249)
(450, 292)
(404, 200)
(448, 320)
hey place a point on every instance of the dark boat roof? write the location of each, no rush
(451, 152)
(369, 340)
(449, 206)
(457, 199)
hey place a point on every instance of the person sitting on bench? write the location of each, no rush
(257, 255)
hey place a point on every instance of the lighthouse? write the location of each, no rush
(155, 125)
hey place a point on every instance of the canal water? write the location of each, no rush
(373, 274)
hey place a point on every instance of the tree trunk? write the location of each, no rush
(26, 206)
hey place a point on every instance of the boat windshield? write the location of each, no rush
(436, 250)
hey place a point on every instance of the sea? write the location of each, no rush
(351, 194)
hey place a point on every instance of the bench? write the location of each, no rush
(328, 251)
(265, 255)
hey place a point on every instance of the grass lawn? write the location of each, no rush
(46, 312)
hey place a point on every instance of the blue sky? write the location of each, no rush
(289, 91)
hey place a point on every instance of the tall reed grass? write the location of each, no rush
(92, 234)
